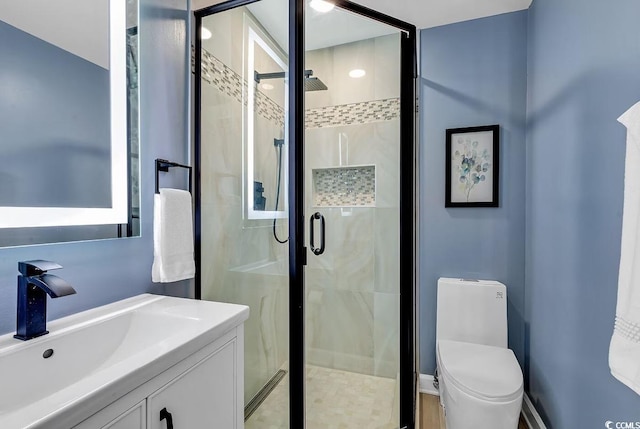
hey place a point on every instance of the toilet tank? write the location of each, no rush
(473, 311)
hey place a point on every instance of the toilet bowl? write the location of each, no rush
(481, 387)
(480, 380)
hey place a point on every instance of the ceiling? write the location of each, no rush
(322, 29)
(77, 26)
(427, 13)
(432, 13)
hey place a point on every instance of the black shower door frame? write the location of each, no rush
(297, 248)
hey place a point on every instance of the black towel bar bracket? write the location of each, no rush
(164, 166)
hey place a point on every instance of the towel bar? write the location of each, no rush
(164, 166)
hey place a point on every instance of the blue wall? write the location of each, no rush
(584, 72)
(105, 271)
(473, 73)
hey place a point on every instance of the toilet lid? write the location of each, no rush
(487, 372)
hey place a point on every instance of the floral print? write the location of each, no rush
(472, 163)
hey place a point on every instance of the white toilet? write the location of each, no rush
(480, 380)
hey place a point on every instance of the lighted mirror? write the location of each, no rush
(266, 140)
(69, 114)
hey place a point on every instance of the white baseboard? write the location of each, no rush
(426, 385)
(530, 414)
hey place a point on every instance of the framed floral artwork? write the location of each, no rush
(472, 173)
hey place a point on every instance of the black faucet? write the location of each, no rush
(33, 285)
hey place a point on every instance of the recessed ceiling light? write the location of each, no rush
(205, 33)
(266, 86)
(321, 5)
(356, 73)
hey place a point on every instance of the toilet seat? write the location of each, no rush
(485, 372)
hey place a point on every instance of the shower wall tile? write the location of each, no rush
(379, 57)
(355, 253)
(351, 307)
(386, 67)
(352, 246)
(232, 241)
(387, 156)
(321, 62)
(266, 330)
(386, 334)
(349, 252)
(345, 312)
(349, 56)
(227, 81)
(227, 40)
(386, 262)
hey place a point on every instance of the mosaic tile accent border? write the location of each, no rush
(356, 113)
(344, 186)
(227, 81)
(216, 73)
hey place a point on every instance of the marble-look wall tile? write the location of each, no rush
(227, 81)
(340, 330)
(387, 155)
(352, 308)
(236, 251)
(386, 69)
(379, 57)
(266, 330)
(386, 230)
(321, 62)
(227, 41)
(349, 251)
(386, 334)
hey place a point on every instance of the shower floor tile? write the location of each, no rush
(335, 399)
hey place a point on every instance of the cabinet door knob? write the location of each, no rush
(164, 414)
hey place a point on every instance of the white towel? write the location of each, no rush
(172, 237)
(624, 351)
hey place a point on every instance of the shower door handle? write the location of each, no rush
(316, 250)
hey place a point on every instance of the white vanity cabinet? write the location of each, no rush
(117, 366)
(205, 390)
(203, 397)
(132, 419)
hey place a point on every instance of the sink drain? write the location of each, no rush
(47, 353)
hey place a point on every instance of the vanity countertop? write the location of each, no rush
(102, 354)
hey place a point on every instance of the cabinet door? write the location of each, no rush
(204, 397)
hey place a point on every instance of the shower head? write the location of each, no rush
(310, 83)
(314, 84)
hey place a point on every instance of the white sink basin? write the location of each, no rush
(127, 342)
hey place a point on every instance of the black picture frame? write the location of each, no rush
(473, 156)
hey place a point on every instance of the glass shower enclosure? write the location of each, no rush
(300, 207)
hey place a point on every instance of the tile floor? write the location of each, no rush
(335, 399)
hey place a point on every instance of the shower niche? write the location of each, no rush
(352, 186)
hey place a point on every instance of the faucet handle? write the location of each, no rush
(36, 267)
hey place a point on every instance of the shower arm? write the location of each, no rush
(277, 75)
